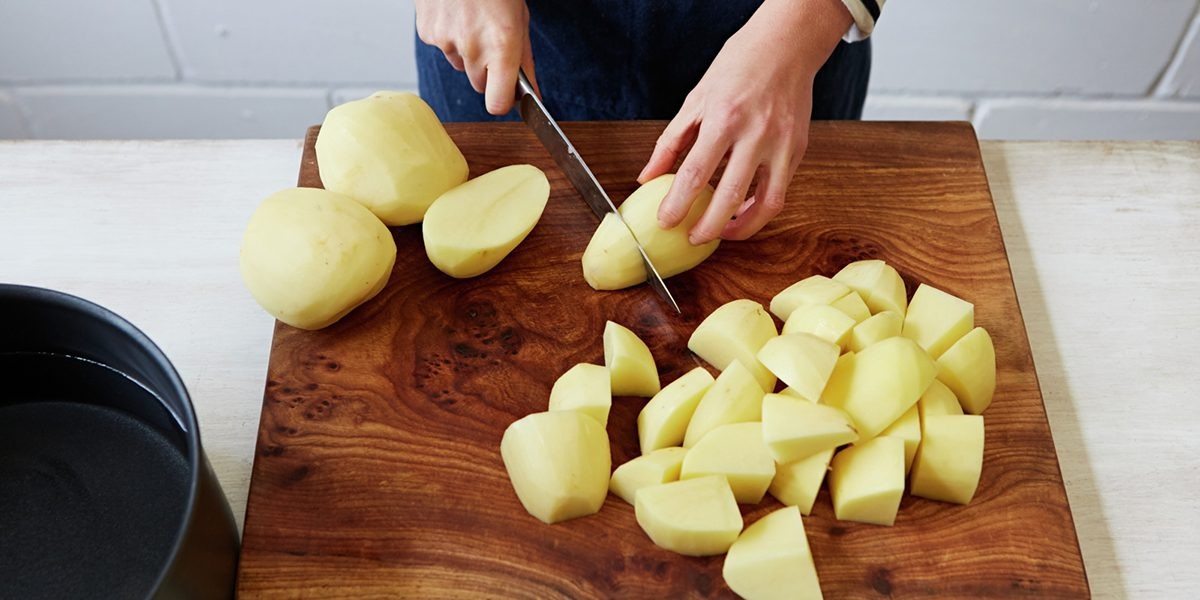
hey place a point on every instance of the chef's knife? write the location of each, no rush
(535, 115)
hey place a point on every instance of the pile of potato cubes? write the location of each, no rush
(879, 390)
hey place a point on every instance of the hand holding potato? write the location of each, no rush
(488, 39)
(752, 105)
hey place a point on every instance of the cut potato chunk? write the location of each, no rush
(794, 429)
(937, 400)
(878, 283)
(664, 420)
(797, 483)
(585, 388)
(390, 153)
(737, 452)
(817, 289)
(611, 260)
(736, 330)
(875, 329)
(880, 384)
(310, 256)
(853, 306)
(802, 360)
(968, 368)
(733, 398)
(908, 429)
(866, 481)
(558, 463)
(771, 560)
(696, 517)
(950, 461)
(660, 466)
(472, 227)
(825, 322)
(935, 319)
(630, 365)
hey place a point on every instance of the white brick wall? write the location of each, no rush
(1029, 69)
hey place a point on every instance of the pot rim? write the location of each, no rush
(187, 421)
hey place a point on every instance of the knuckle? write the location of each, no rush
(688, 178)
(773, 202)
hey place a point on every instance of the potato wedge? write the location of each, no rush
(472, 227)
(630, 364)
(880, 384)
(696, 517)
(950, 460)
(664, 420)
(825, 322)
(733, 398)
(771, 560)
(797, 483)
(877, 328)
(802, 360)
(866, 481)
(878, 283)
(794, 429)
(817, 289)
(558, 463)
(736, 330)
(586, 388)
(660, 466)
(968, 368)
(737, 452)
(935, 319)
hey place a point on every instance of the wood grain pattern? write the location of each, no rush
(377, 471)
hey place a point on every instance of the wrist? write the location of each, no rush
(811, 28)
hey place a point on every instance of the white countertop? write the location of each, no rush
(1104, 240)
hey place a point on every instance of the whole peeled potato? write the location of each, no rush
(390, 153)
(309, 256)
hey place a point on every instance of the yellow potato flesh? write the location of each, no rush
(787, 391)
(664, 420)
(585, 388)
(950, 460)
(795, 429)
(390, 153)
(771, 560)
(877, 328)
(630, 365)
(737, 452)
(310, 256)
(880, 384)
(696, 517)
(968, 368)
(660, 466)
(853, 306)
(797, 483)
(935, 319)
(473, 226)
(736, 331)
(558, 463)
(825, 322)
(908, 429)
(611, 262)
(733, 398)
(878, 283)
(801, 360)
(866, 481)
(937, 400)
(816, 289)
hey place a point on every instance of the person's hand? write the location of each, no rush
(489, 39)
(753, 104)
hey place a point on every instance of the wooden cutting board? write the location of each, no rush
(377, 471)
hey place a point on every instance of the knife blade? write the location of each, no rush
(535, 115)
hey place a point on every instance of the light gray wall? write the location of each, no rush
(1027, 69)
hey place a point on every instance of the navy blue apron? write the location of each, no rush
(632, 59)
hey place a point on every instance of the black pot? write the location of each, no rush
(105, 491)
